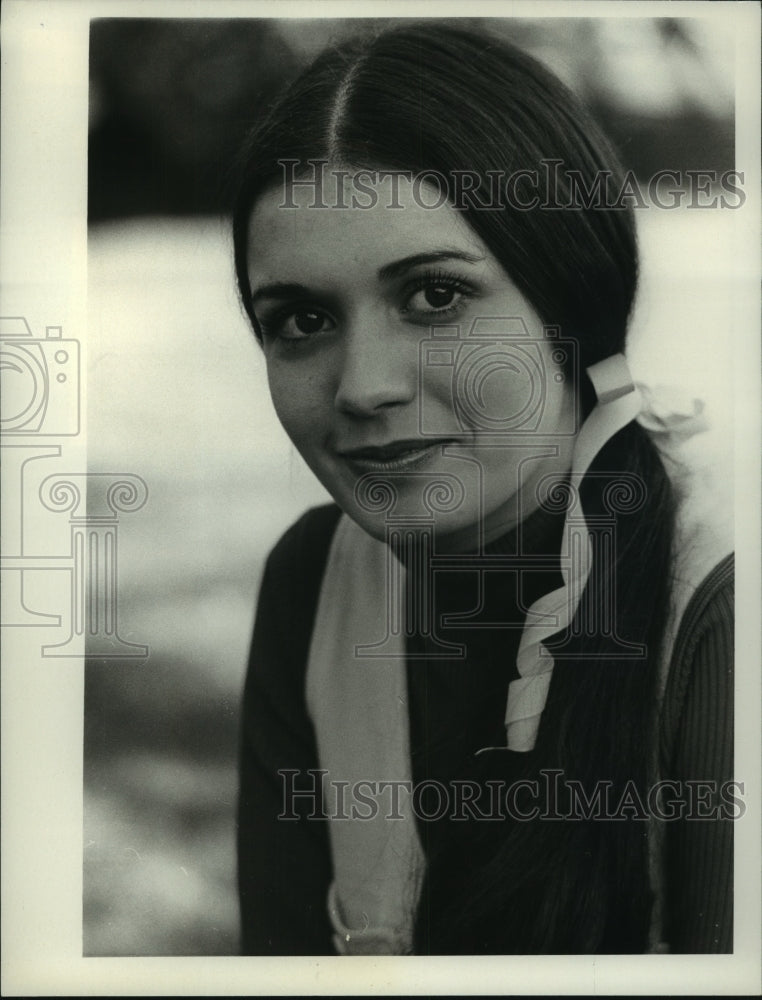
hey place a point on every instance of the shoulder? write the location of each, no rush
(713, 603)
(313, 528)
(292, 576)
(294, 570)
(697, 754)
(709, 615)
(288, 597)
(304, 546)
(698, 703)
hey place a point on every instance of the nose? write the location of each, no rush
(378, 369)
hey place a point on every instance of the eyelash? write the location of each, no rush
(439, 279)
(272, 324)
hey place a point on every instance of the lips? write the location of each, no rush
(394, 454)
(390, 451)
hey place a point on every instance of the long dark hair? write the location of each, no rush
(430, 97)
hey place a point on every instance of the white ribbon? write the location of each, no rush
(619, 402)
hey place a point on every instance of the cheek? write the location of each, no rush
(561, 401)
(297, 401)
(512, 393)
(517, 390)
(559, 376)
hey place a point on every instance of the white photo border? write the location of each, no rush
(44, 277)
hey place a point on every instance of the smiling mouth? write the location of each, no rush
(397, 455)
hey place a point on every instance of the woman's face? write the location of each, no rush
(381, 402)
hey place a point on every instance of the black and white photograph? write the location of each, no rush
(381, 487)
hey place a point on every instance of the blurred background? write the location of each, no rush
(177, 394)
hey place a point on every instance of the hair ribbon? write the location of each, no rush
(619, 401)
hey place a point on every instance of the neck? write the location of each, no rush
(519, 524)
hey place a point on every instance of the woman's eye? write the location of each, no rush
(439, 296)
(296, 324)
(434, 296)
(308, 321)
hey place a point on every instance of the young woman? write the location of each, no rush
(489, 702)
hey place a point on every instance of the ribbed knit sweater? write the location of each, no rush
(285, 865)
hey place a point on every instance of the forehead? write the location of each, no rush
(384, 223)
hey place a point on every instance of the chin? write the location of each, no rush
(453, 533)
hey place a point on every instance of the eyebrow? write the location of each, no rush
(291, 289)
(406, 263)
(280, 290)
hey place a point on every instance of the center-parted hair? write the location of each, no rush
(440, 101)
(429, 98)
